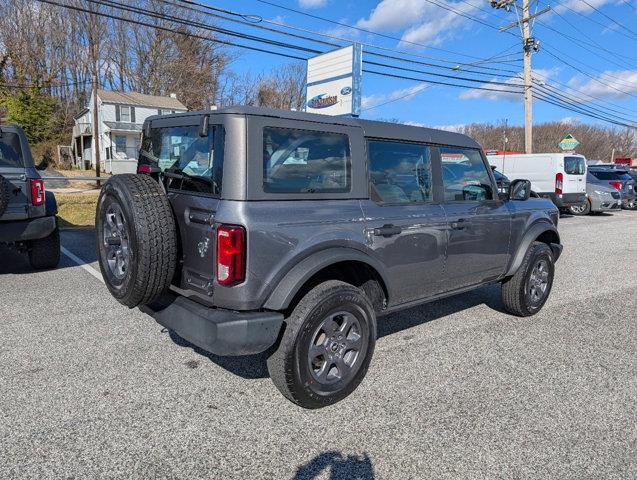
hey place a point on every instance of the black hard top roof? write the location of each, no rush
(370, 128)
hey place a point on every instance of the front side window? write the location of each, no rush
(10, 151)
(575, 165)
(304, 161)
(188, 161)
(464, 175)
(399, 172)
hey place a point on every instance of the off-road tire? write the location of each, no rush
(5, 191)
(515, 290)
(45, 252)
(585, 211)
(150, 235)
(289, 366)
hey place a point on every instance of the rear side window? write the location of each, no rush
(189, 161)
(304, 161)
(574, 165)
(10, 151)
(464, 175)
(399, 172)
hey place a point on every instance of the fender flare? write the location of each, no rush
(50, 203)
(529, 237)
(282, 295)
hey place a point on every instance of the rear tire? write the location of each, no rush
(136, 239)
(5, 191)
(580, 210)
(326, 346)
(45, 252)
(526, 292)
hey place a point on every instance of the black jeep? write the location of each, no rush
(27, 211)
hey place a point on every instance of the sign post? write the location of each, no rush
(568, 143)
(334, 82)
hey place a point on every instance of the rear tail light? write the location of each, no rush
(559, 183)
(37, 192)
(231, 254)
(616, 184)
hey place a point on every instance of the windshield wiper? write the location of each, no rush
(181, 175)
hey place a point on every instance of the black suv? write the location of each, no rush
(255, 230)
(27, 212)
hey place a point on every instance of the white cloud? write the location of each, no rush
(582, 7)
(403, 95)
(424, 22)
(312, 3)
(617, 83)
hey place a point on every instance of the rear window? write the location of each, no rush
(189, 161)
(575, 165)
(610, 175)
(10, 151)
(305, 161)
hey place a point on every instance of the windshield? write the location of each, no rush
(10, 151)
(575, 165)
(189, 161)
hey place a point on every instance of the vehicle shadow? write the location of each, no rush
(254, 366)
(340, 467)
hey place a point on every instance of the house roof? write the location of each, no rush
(123, 126)
(140, 99)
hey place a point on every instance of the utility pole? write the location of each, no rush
(529, 45)
(96, 128)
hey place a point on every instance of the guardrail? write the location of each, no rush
(85, 179)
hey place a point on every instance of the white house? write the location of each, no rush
(120, 119)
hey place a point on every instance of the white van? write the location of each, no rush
(558, 176)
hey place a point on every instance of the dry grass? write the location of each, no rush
(76, 210)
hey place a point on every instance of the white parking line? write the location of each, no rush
(82, 264)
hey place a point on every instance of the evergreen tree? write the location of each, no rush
(32, 109)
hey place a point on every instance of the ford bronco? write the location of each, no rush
(27, 212)
(252, 230)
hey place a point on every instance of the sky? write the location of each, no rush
(588, 49)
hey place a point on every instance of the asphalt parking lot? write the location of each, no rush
(457, 389)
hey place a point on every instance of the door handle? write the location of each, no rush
(387, 230)
(460, 224)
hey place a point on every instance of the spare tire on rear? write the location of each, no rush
(136, 239)
(5, 190)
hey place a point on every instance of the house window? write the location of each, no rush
(120, 143)
(163, 111)
(125, 114)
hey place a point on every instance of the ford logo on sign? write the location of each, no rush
(321, 101)
(346, 90)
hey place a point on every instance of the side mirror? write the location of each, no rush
(520, 190)
(43, 165)
(203, 126)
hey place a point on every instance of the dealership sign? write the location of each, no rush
(568, 142)
(334, 82)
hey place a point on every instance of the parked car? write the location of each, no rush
(617, 176)
(257, 230)
(560, 177)
(27, 212)
(601, 198)
(501, 180)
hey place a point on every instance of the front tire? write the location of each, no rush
(44, 253)
(580, 209)
(136, 239)
(526, 292)
(326, 346)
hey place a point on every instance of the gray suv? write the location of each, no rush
(253, 230)
(27, 212)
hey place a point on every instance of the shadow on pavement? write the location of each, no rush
(341, 467)
(254, 366)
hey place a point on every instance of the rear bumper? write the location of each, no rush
(566, 199)
(216, 330)
(24, 230)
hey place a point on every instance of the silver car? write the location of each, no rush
(601, 198)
